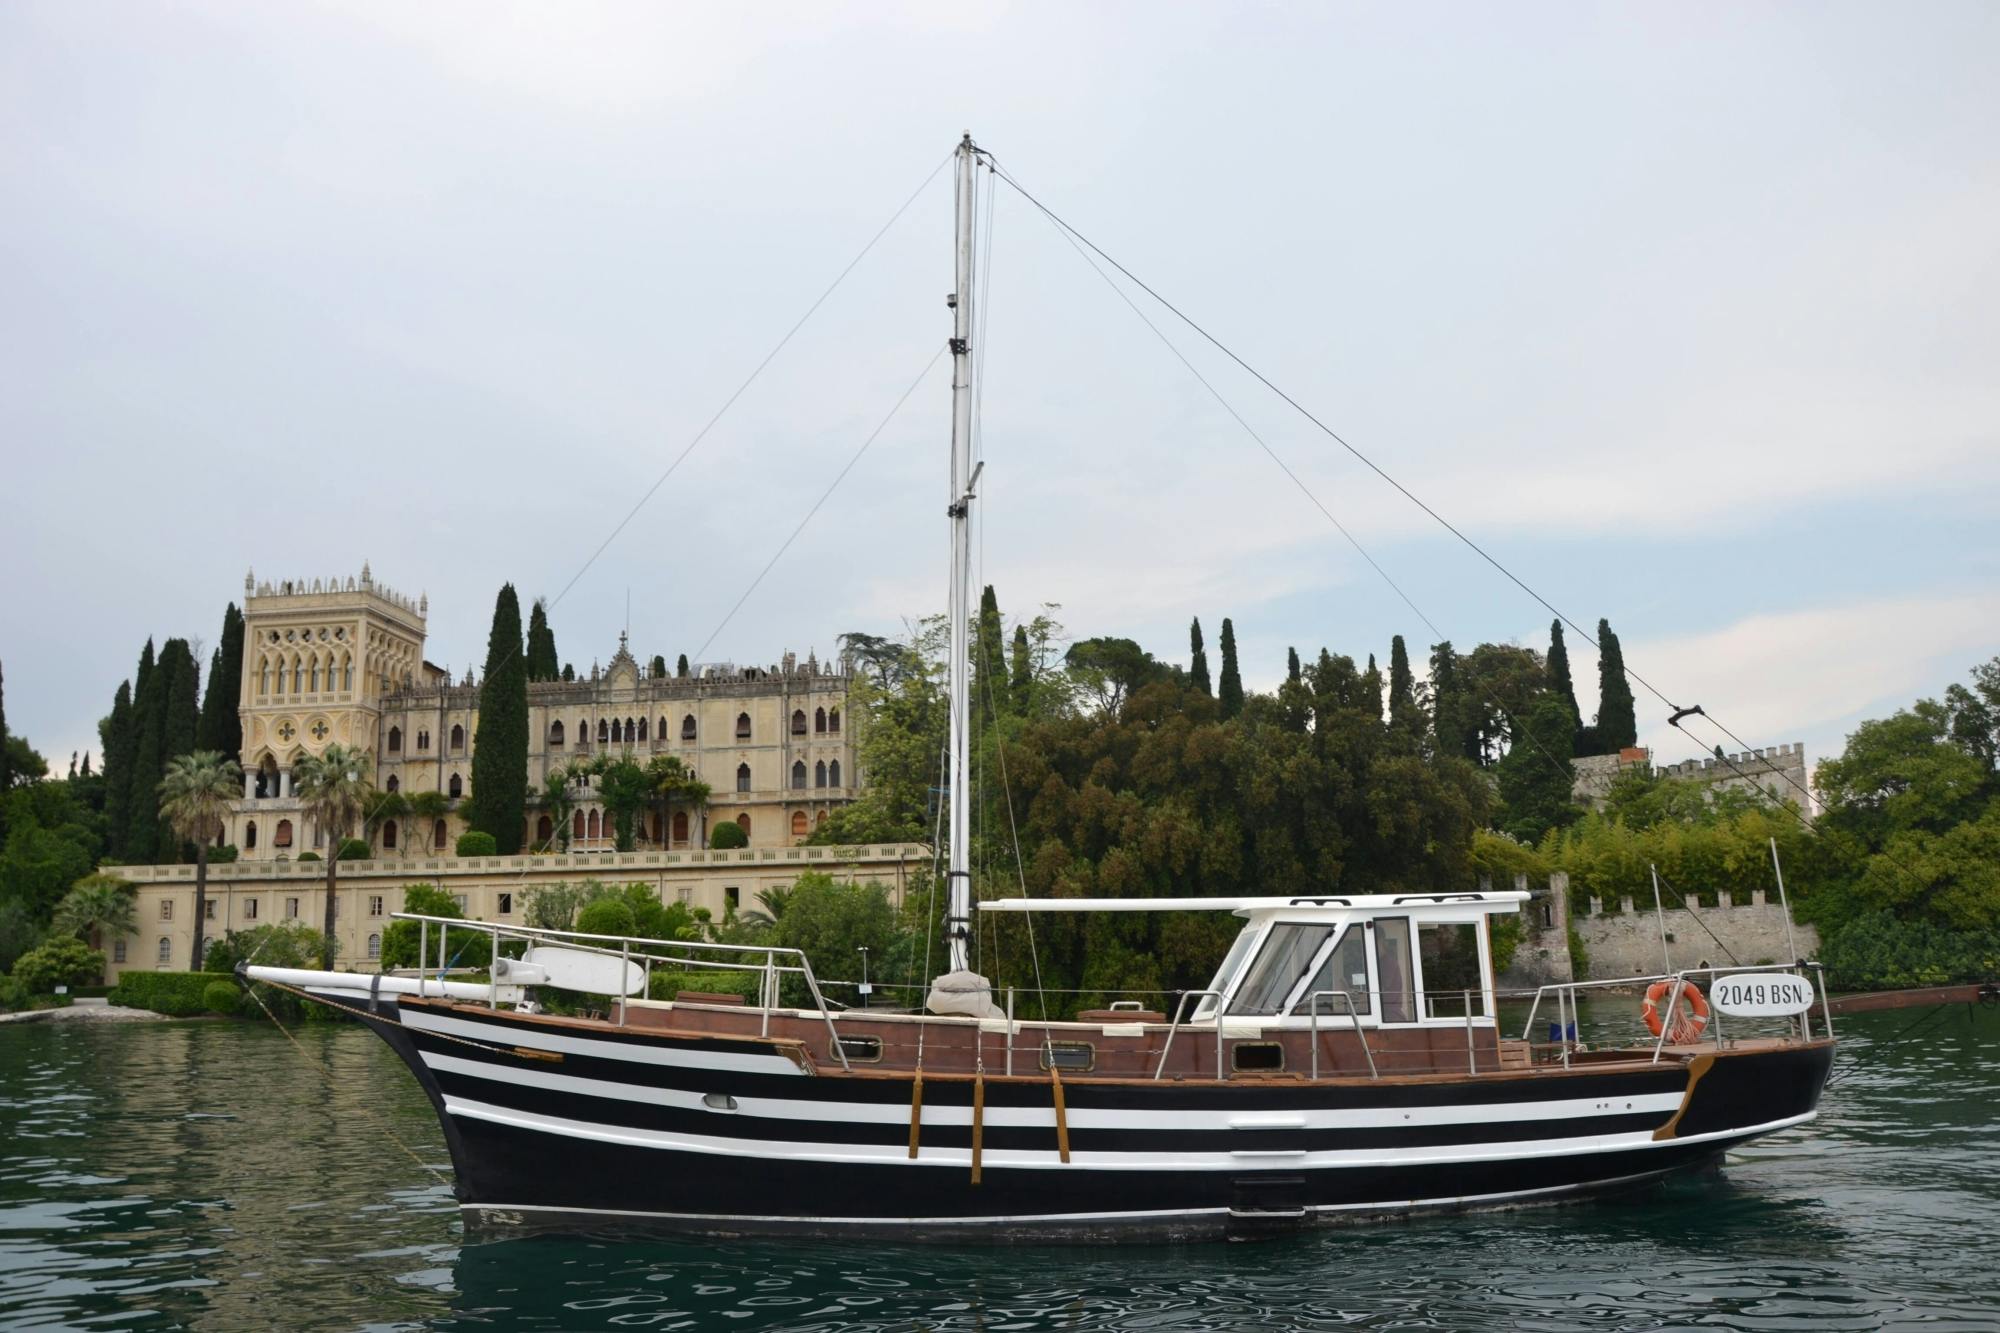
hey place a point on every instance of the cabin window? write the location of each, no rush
(1454, 982)
(1257, 1057)
(861, 1050)
(1392, 959)
(1070, 1055)
(1345, 969)
(1288, 951)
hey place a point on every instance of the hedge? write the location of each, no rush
(177, 994)
(477, 844)
(666, 985)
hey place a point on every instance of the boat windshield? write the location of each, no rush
(1288, 951)
(1345, 969)
(1227, 972)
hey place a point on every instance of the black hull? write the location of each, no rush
(613, 1130)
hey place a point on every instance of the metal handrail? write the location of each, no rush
(1174, 1028)
(770, 969)
(1312, 1010)
(1565, 991)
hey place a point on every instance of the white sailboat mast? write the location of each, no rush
(958, 900)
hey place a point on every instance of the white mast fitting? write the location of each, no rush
(960, 990)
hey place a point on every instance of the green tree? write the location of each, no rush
(1198, 659)
(1535, 777)
(1021, 672)
(98, 909)
(63, 961)
(831, 921)
(1617, 723)
(989, 658)
(500, 747)
(149, 721)
(402, 941)
(1108, 671)
(560, 803)
(1405, 717)
(658, 668)
(1292, 665)
(673, 784)
(119, 745)
(194, 799)
(543, 663)
(626, 789)
(221, 726)
(333, 788)
(6, 774)
(1230, 692)
(1561, 683)
(728, 835)
(1448, 706)
(177, 732)
(681, 666)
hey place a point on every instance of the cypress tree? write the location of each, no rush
(180, 690)
(211, 703)
(1561, 684)
(680, 667)
(543, 663)
(989, 657)
(1021, 682)
(6, 777)
(1198, 659)
(117, 771)
(1535, 792)
(1230, 693)
(569, 672)
(149, 723)
(500, 739)
(658, 667)
(1403, 713)
(1371, 684)
(1292, 665)
(1617, 723)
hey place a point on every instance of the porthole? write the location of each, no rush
(1257, 1057)
(863, 1050)
(719, 1101)
(1069, 1055)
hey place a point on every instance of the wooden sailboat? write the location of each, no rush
(1345, 1061)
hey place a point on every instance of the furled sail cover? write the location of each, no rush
(963, 993)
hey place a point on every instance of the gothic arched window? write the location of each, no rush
(249, 835)
(438, 834)
(457, 787)
(642, 729)
(395, 783)
(680, 826)
(457, 737)
(743, 822)
(595, 825)
(603, 732)
(283, 837)
(819, 774)
(798, 722)
(556, 734)
(743, 777)
(798, 823)
(631, 732)
(687, 727)
(389, 836)
(576, 826)
(742, 726)
(819, 721)
(833, 721)
(833, 774)
(395, 740)
(799, 774)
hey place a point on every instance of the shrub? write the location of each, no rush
(221, 997)
(221, 856)
(477, 844)
(308, 856)
(666, 985)
(606, 916)
(353, 849)
(1883, 952)
(58, 962)
(177, 994)
(280, 945)
(728, 834)
(401, 940)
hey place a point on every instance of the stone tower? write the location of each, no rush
(319, 655)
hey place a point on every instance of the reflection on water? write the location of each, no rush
(205, 1175)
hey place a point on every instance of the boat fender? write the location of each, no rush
(1685, 1029)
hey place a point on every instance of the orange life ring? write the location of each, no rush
(1686, 1028)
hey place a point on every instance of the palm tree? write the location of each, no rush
(194, 798)
(426, 808)
(674, 783)
(99, 908)
(773, 901)
(559, 803)
(334, 786)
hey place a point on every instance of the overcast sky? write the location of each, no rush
(1691, 315)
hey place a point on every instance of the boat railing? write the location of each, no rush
(1312, 1008)
(1173, 1030)
(682, 953)
(1564, 994)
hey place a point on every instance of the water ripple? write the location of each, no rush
(202, 1176)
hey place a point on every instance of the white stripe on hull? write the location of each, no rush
(895, 1155)
(1139, 1217)
(1079, 1116)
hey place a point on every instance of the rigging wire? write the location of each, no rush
(750, 379)
(825, 495)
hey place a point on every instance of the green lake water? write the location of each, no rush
(212, 1176)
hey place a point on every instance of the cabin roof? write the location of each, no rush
(1508, 900)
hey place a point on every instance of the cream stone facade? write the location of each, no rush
(342, 661)
(247, 894)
